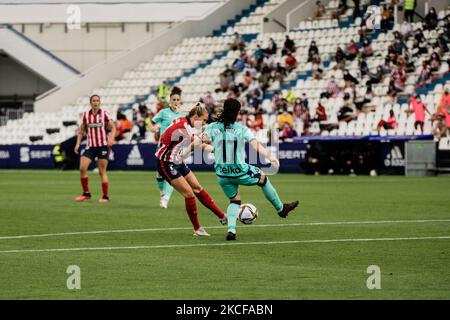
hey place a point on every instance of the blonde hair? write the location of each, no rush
(198, 109)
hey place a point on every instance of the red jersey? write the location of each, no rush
(96, 125)
(176, 137)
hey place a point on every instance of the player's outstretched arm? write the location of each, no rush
(264, 152)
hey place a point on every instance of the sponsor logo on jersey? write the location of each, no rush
(135, 157)
(230, 170)
(95, 125)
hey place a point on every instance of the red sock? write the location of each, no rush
(85, 185)
(105, 188)
(191, 208)
(208, 202)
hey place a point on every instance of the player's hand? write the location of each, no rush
(274, 162)
(76, 148)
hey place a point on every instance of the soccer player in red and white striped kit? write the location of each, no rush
(177, 142)
(94, 124)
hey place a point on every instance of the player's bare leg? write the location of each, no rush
(102, 165)
(182, 186)
(205, 198)
(84, 165)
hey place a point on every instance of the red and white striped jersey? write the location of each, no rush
(177, 136)
(96, 125)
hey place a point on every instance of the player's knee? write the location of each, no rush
(188, 194)
(197, 189)
(262, 181)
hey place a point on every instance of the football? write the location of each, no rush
(247, 213)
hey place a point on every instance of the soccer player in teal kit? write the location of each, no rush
(228, 140)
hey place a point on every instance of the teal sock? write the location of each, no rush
(160, 183)
(232, 215)
(271, 194)
(168, 189)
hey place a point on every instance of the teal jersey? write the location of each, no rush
(165, 117)
(229, 148)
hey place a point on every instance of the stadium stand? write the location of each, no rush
(197, 64)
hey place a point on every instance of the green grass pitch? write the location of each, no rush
(400, 224)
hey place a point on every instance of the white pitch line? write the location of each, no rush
(223, 244)
(220, 227)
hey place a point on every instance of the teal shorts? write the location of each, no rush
(230, 185)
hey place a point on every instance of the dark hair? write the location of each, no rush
(91, 97)
(231, 108)
(175, 90)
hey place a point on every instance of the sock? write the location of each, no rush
(232, 215)
(85, 185)
(105, 188)
(168, 189)
(160, 182)
(271, 194)
(208, 202)
(191, 208)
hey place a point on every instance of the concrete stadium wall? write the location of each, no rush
(15, 79)
(118, 64)
(277, 20)
(83, 48)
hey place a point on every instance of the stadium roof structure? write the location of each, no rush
(104, 11)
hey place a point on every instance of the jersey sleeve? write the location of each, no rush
(107, 117)
(158, 118)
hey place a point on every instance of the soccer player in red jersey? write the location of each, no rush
(94, 124)
(178, 138)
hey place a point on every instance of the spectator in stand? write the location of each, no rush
(409, 7)
(399, 45)
(442, 42)
(247, 80)
(258, 123)
(238, 64)
(291, 62)
(425, 72)
(289, 46)
(285, 117)
(387, 18)
(259, 53)
(363, 67)
(405, 29)
(238, 42)
(160, 105)
(317, 69)
(123, 125)
(287, 132)
(398, 78)
(280, 73)
(320, 10)
(346, 112)
(410, 67)
(162, 92)
(332, 89)
(340, 57)
(367, 50)
(375, 78)
(291, 96)
(142, 119)
(265, 77)
(356, 10)
(390, 123)
(312, 51)
(349, 79)
(321, 113)
(271, 48)
(210, 104)
(435, 62)
(304, 100)
(352, 50)
(431, 19)
(225, 81)
(419, 108)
